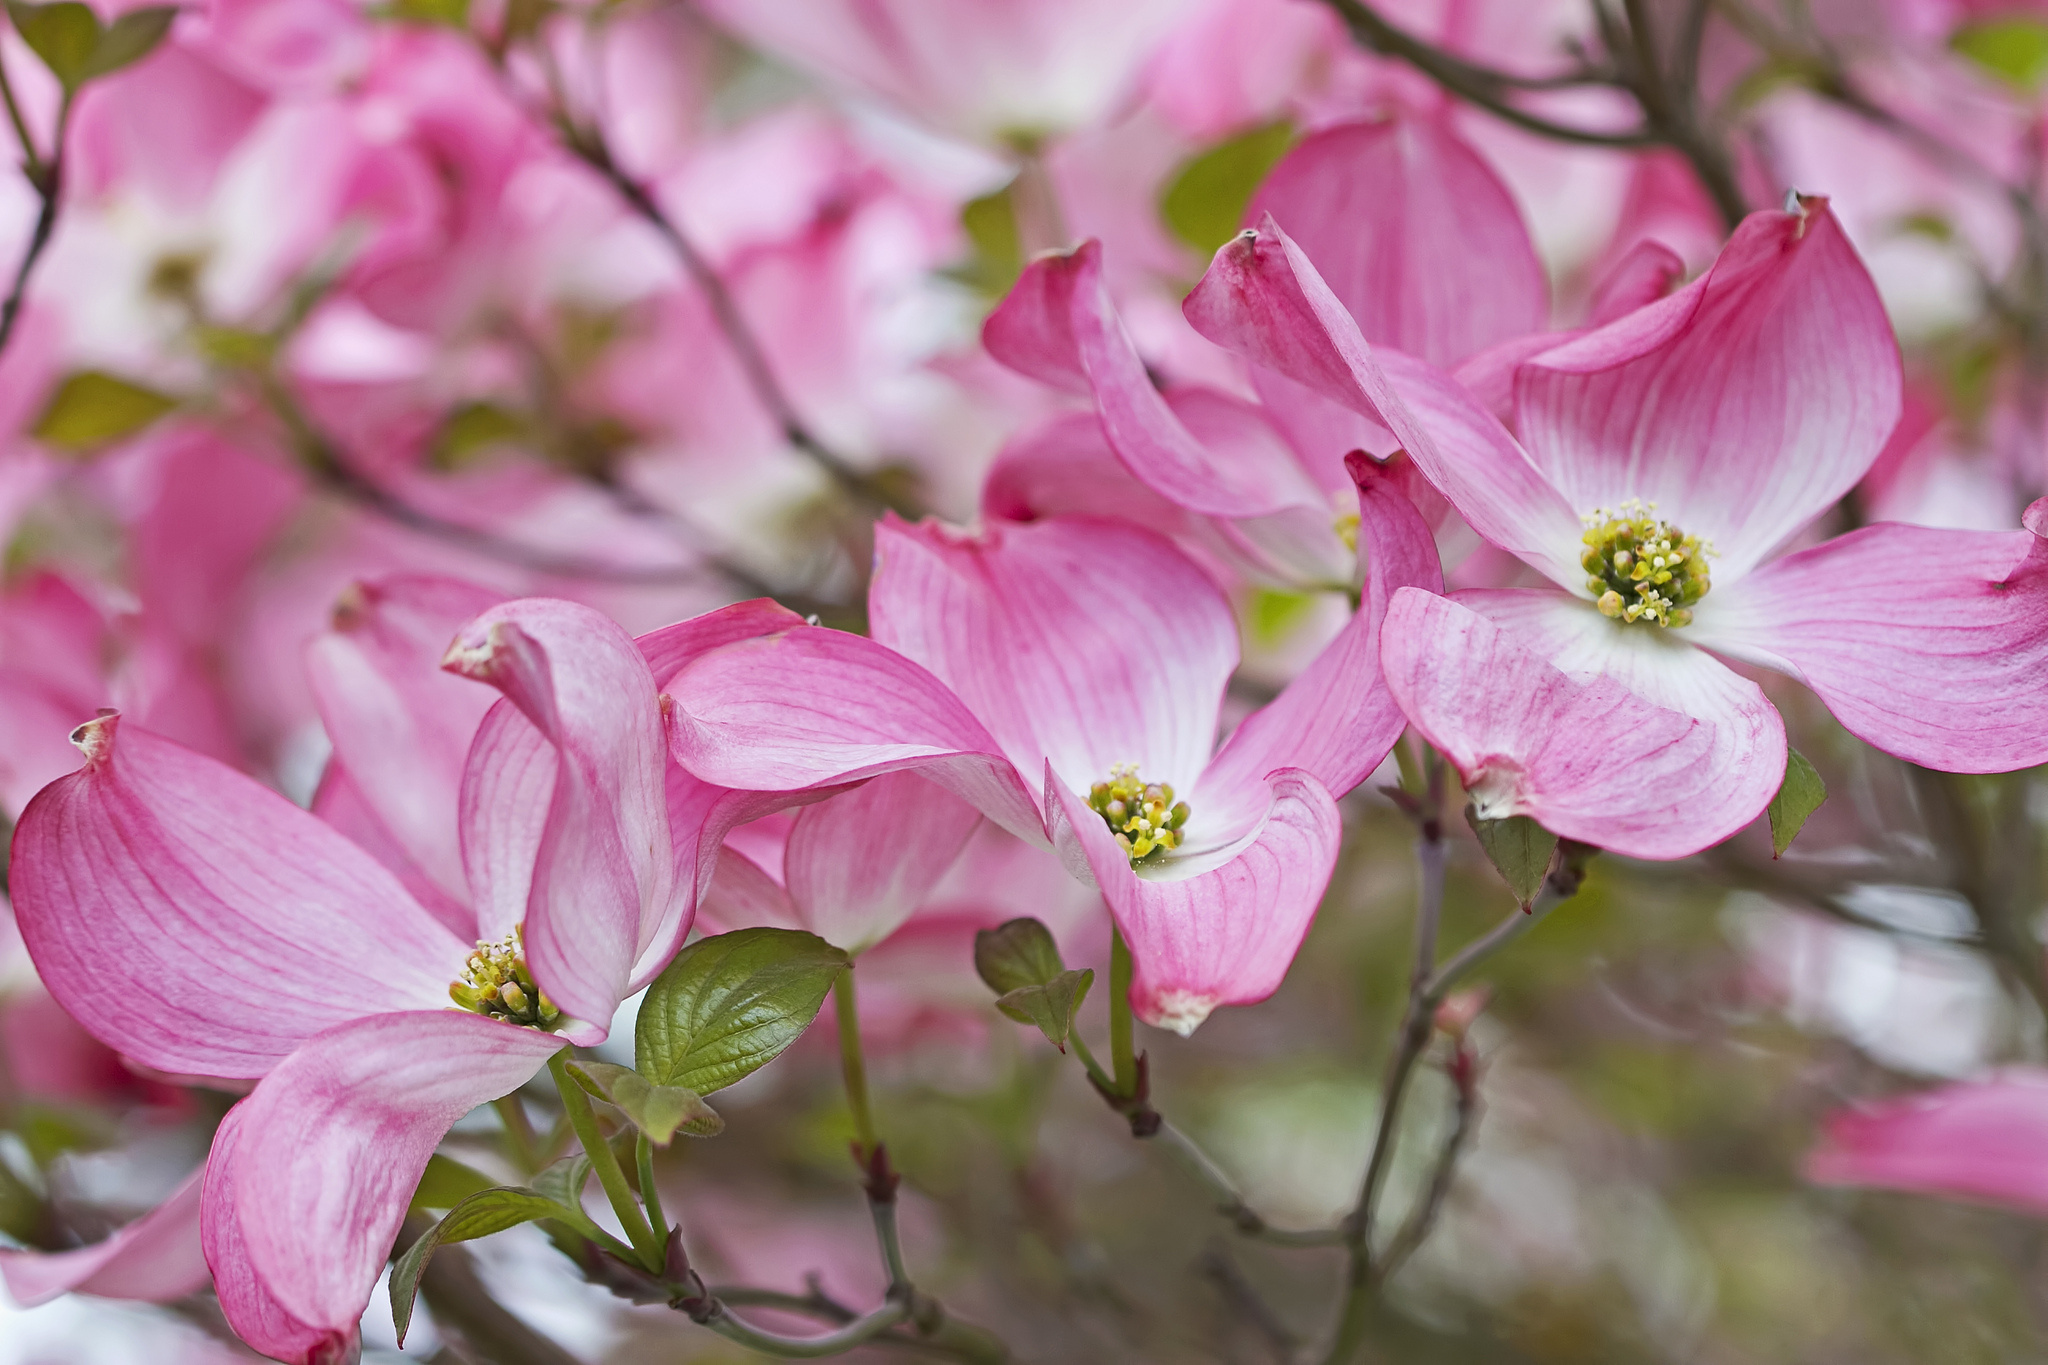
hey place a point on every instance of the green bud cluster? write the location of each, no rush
(1643, 569)
(496, 984)
(1143, 815)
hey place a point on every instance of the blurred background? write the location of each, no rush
(659, 304)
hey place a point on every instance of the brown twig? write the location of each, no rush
(46, 178)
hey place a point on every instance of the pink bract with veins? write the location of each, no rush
(204, 926)
(1736, 410)
(1020, 665)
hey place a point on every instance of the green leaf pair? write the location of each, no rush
(1021, 963)
(78, 48)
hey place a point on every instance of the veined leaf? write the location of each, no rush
(479, 1215)
(660, 1111)
(728, 1005)
(1018, 953)
(1519, 850)
(1798, 797)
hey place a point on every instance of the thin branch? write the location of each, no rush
(1230, 1201)
(1249, 1305)
(590, 147)
(1479, 85)
(46, 178)
(1423, 1218)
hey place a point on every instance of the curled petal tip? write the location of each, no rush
(2035, 518)
(1181, 1011)
(95, 738)
(477, 654)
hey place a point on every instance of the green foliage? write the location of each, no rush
(77, 48)
(454, 13)
(659, 1111)
(1519, 850)
(563, 1182)
(2015, 50)
(474, 428)
(1021, 964)
(728, 1005)
(1798, 797)
(446, 1183)
(991, 226)
(479, 1215)
(1205, 202)
(1052, 1006)
(1018, 953)
(92, 409)
(1273, 615)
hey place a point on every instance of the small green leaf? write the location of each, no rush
(474, 428)
(1017, 954)
(1206, 201)
(2014, 50)
(1052, 1006)
(1798, 797)
(128, 40)
(91, 409)
(1519, 850)
(65, 35)
(453, 13)
(563, 1182)
(659, 1111)
(447, 1182)
(728, 1005)
(991, 226)
(480, 1215)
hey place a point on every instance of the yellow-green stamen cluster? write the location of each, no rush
(1643, 569)
(496, 983)
(1143, 815)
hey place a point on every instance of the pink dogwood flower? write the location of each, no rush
(1981, 1140)
(1665, 461)
(204, 926)
(1422, 243)
(1066, 678)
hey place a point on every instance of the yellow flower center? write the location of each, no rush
(1643, 569)
(1143, 815)
(496, 984)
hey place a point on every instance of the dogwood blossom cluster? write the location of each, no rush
(540, 538)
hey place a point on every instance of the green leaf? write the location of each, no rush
(474, 428)
(1017, 954)
(2014, 50)
(480, 1215)
(1052, 1006)
(128, 40)
(728, 1005)
(1798, 796)
(991, 226)
(453, 13)
(656, 1110)
(1272, 615)
(446, 1183)
(1206, 201)
(563, 1182)
(91, 409)
(1519, 850)
(65, 35)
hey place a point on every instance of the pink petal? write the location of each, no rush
(743, 895)
(342, 804)
(861, 864)
(305, 1192)
(1415, 234)
(604, 869)
(1743, 406)
(508, 787)
(1226, 935)
(401, 725)
(671, 649)
(1930, 644)
(1589, 760)
(1080, 642)
(1645, 275)
(202, 924)
(1745, 741)
(156, 1258)
(1059, 319)
(1262, 299)
(246, 1301)
(1976, 1140)
(816, 708)
(1337, 720)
